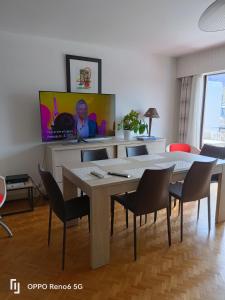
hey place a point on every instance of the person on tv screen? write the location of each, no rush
(84, 126)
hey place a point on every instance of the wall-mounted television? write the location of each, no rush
(67, 116)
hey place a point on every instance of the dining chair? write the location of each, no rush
(152, 194)
(137, 151)
(214, 152)
(3, 193)
(97, 154)
(182, 147)
(64, 210)
(196, 186)
(91, 155)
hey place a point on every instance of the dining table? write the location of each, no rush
(100, 190)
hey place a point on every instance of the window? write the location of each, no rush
(213, 121)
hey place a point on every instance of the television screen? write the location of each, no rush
(73, 115)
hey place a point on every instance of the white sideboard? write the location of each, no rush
(60, 153)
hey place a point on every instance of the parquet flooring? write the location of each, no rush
(194, 269)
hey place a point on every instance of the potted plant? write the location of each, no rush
(131, 122)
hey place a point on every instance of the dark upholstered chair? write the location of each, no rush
(196, 186)
(90, 155)
(136, 150)
(215, 152)
(64, 210)
(151, 195)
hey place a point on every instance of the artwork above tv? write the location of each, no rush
(68, 116)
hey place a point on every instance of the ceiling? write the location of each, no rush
(166, 27)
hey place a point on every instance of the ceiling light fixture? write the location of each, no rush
(213, 18)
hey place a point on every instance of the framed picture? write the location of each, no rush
(83, 74)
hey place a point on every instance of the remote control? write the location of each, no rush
(119, 174)
(97, 174)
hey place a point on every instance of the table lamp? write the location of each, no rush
(151, 113)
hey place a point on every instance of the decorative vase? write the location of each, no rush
(127, 134)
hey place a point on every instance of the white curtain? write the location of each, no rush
(195, 111)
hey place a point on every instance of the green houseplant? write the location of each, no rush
(131, 122)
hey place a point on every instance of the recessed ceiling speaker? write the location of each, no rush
(213, 18)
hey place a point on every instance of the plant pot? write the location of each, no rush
(127, 134)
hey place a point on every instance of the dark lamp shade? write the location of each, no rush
(151, 113)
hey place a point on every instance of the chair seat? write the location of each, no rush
(77, 207)
(175, 189)
(127, 200)
(1, 198)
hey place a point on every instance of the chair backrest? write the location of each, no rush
(56, 200)
(136, 150)
(197, 181)
(153, 190)
(90, 155)
(179, 147)
(2, 191)
(213, 151)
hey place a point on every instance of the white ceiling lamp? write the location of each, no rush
(213, 18)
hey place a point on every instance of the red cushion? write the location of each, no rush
(1, 198)
(180, 147)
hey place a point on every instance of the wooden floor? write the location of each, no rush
(194, 269)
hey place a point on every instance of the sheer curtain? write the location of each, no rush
(195, 111)
(185, 97)
(191, 110)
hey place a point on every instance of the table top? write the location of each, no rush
(135, 166)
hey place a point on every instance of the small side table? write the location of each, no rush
(29, 186)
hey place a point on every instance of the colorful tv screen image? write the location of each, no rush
(74, 115)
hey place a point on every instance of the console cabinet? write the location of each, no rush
(58, 154)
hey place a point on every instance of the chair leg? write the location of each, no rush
(64, 245)
(89, 225)
(209, 213)
(198, 209)
(49, 225)
(126, 217)
(135, 238)
(181, 220)
(140, 220)
(175, 202)
(170, 202)
(179, 208)
(146, 216)
(112, 215)
(6, 228)
(168, 225)
(155, 216)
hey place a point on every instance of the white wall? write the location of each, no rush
(210, 60)
(29, 64)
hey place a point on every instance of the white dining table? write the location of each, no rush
(100, 190)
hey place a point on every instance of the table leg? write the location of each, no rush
(32, 198)
(69, 189)
(100, 228)
(220, 205)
